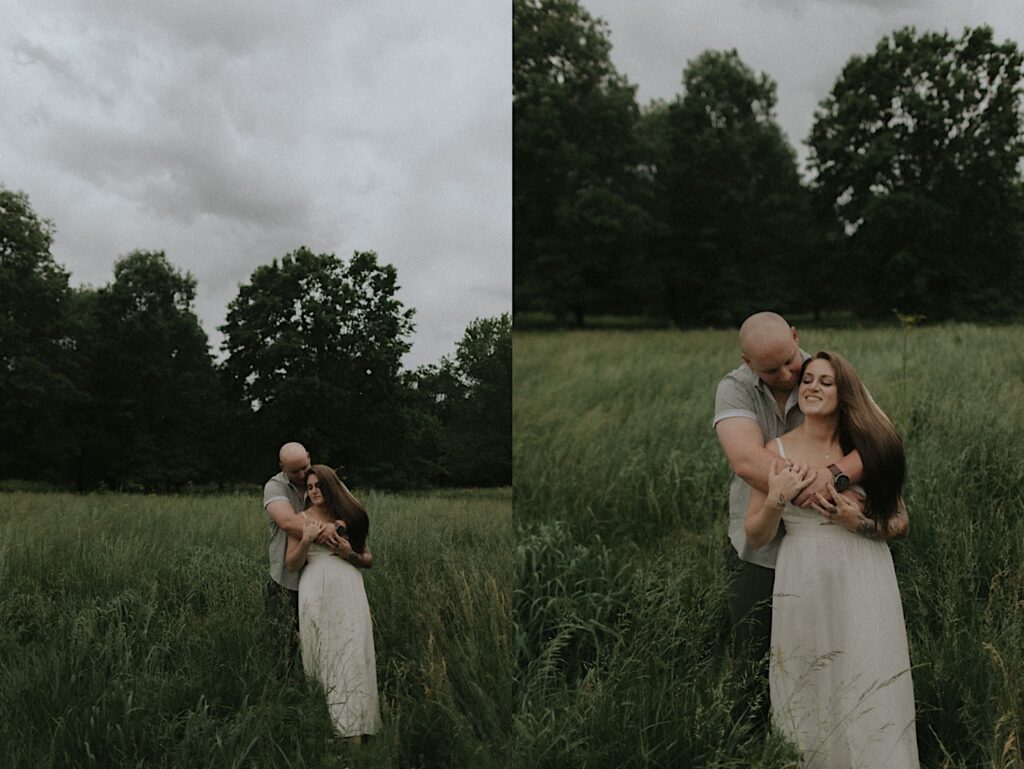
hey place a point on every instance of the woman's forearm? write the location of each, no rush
(362, 560)
(762, 519)
(295, 557)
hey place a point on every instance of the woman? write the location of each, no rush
(839, 673)
(335, 629)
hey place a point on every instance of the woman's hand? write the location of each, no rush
(363, 560)
(786, 482)
(310, 531)
(838, 508)
(344, 548)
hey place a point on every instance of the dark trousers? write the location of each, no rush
(283, 615)
(750, 613)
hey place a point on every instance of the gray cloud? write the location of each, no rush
(800, 6)
(228, 134)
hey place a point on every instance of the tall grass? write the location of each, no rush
(134, 634)
(616, 462)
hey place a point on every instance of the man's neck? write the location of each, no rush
(781, 397)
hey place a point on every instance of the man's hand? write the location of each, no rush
(329, 537)
(822, 477)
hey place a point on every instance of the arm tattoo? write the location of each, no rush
(896, 528)
(869, 528)
(782, 500)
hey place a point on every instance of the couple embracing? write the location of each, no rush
(318, 548)
(815, 496)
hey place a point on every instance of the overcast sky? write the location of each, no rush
(801, 44)
(230, 133)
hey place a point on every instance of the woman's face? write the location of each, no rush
(316, 496)
(818, 393)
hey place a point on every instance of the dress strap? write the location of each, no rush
(782, 451)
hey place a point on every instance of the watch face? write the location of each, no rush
(842, 482)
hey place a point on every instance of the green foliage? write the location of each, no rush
(143, 639)
(729, 196)
(620, 663)
(154, 409)
(695, 209)
(115, 387)
(35, 377)
(314, 350)
(569, 596)
(612, 436)
(917, 152)
(576, 220)
(472, 398)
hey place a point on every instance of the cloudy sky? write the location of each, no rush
(802, 44)
(230, 133)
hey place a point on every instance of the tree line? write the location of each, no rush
(116, 387)
(695, 209)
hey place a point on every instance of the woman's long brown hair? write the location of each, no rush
(343, 506)
(865, 427)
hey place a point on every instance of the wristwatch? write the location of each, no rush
(841, 480)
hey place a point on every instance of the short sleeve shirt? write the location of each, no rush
(279, 487)
(742, 394)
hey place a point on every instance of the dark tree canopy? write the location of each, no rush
(479, 423)
(33, 287)
(917, 152)
(152, 418)
(115, 387)
(314, 348)
(34, 341)
(575, 219)
(731, 202)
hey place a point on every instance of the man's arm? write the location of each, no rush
(850, 464)
(743, 445)
(280, 511)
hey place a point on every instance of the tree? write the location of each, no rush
(154, 413)
(314, 350)
(735, 217)
(916, 152)
(575, 219)
(35, 363)
(477, 407)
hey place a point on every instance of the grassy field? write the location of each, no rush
(134, 635)
(620, 623)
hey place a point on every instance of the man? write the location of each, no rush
(753, 404)
(284, 498)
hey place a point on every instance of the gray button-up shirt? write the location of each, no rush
(279, 487)
(741, 393)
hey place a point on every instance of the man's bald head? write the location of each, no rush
(294, 462)
(771, 347)
(292, 452)
(763, 330)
